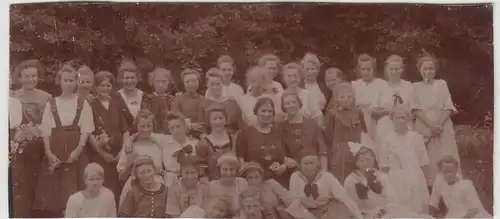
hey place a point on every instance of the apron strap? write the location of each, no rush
(55, 114)
(79, 108)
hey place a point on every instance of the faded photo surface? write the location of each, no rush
(251, 110)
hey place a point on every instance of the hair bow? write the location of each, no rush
(366, 142)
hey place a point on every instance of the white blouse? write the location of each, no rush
(15, 112)
(232, 90)
(317, 96)
(142, 148)
(370, 94)
(310, 107)
(404, 89)
(133, 104)
(66, 108)
(103, 205)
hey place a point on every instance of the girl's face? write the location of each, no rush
(85, 84)
(292, 78)
(251, 206)
(265, 114)
(427, 70)
(189, 174)
(400, 120)
(29, 78)
(272, 70)
(104, 88)
(311, 71)
(291, 105)
(366, 70)
(345, 99)
(253, 178)
(217, 121)
(145, 126)
(332, 79)
(94, 181)
(191, 82)
(68, 82)
(215, 86)
(393, 70)
(130, 80)
(365, 160)
(449, 171)
(309, 164)
(217, 209)
(227, 71)
(177, 127)
(145, 173)
(227, 171)
(160, 83)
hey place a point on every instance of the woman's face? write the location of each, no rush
(160, 83)
(217, 121)
(393, 70)
(332, 79)
(227, 71)
(366, 70)
(291, 105)
(253, 178)
(311, 71)
(227, 171)
(94, 181)
(189, 174)
(104, 88)
(85, 84)
(427, 70)
(292, 78)
(191, 82)
(29, 78)
(145, 173)
(265, 114)
(145, 126)
(400, 120)
(177, 127)
(251, 207)
(309, 164)
(68, 82)
(365, 161)
(130, 80)
(449, 171)
(216, 209)
(272, 70)
(215, 86)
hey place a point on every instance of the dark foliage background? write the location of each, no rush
(172, 34)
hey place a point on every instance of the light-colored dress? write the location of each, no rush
(310, 107)
(318, 98)
(369, 96)
(458, 198)
(15, 112)
(231, 195)
(433, 99)
(405, 156)
(233, 91)
(101, 206)
(332, 198)
(376, 202)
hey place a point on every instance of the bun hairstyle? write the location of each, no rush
(290, 93)
(262, 101)
(104, 75)
(32, 63)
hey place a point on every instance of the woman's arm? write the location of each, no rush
(127, 207)
(340, 194)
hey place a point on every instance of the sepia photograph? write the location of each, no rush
(262, 110)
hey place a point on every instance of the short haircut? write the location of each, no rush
(447, 159)
(95, 168)
(287, 94)
(103, 76)
(159, 71)
(261, 102)
(32, 63)
(225, 59)
(144, 114)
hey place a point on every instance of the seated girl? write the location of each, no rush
(96, 200)
(320, 191)
(371, 188)
(147, 196)
(252, 206)
(188, 190)
(459, 195)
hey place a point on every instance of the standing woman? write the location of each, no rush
(28, 155)
(433, 107)
(262, 143)
(105, 140)
(320, 93)
(271, 63)
(67, 122)
(161, 100)
(230, 89)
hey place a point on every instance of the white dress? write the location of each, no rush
(232, 90)
(405, 155)
(101, 206)
(433, 99)
(310, 107)
(318, 98)
(458, 198)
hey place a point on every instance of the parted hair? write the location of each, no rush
(104, 75)
(31, 63)
(262, 101)
(287, 94)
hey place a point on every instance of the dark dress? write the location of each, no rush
(265, 149)
(141, 203)
(54, 189)
(234, 120)
(193, 107)
(209, 153)
(160, 106)
(103, 124)
(297, 136)
(121, 118)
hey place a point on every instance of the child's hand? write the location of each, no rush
(200, 127)
(290, 163)
(280, 169)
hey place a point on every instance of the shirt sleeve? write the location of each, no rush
(341, 194)
(448, 102)
(127, 206)
(472, 199)
(173, 208)
(86, 122)
(414, 99)
(284, 195)
(47, 121)
(350, 188)
(72, 207)
(421, 150)
(15, 113)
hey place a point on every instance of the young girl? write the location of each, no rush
(66, 124)
(96, 200)
(271, 64)
(229, 89)
(348, 125)
(320, 94)
(333, 77)
(218, 142)
(299, 131)
(252, 206)
(147, 197)
(369, 91)
(292, 74)
(234, 121)
(370, 188)
(404, 158)
(190, 103)
(188, 190)
(161, 101)
(459, 195)
(319, 190)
